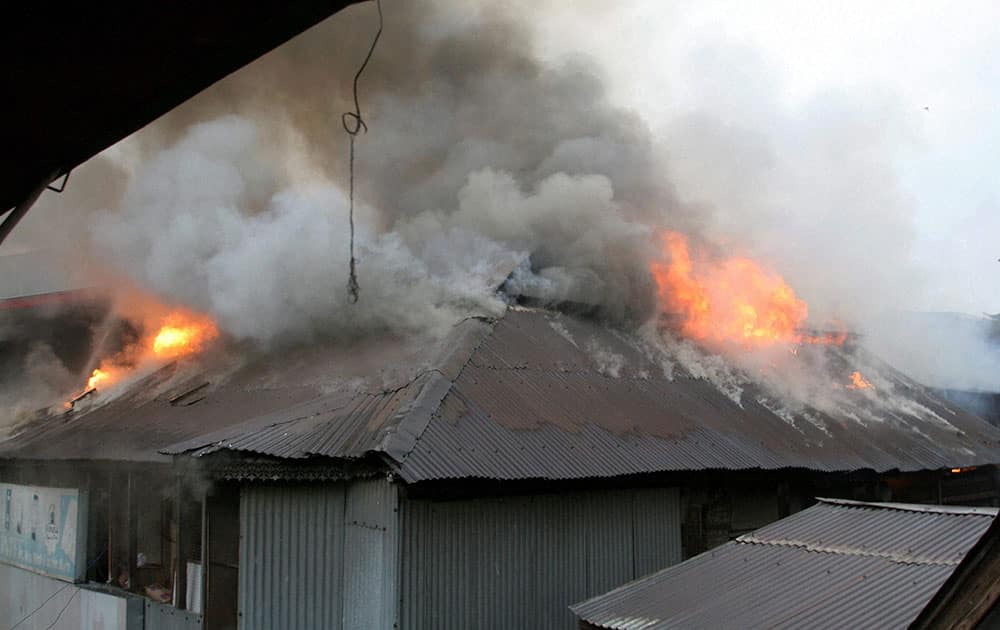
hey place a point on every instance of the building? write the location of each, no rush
(838, 564)
(492, 479)
(970, 597)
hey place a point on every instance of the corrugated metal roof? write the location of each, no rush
(337, 401)
(838, 564)
(533, 394)
(550, 396)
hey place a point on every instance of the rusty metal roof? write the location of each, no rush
(838, 564)
(532, 394)
(550, 396)
(331, 400)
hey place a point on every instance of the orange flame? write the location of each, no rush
(181, 336)
(97, 377)
(858, 381)
(180, 333)
(731, 300)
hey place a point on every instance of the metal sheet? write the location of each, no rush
(318, 556)
(529, 396)
(517, 562)
(370, 560)
(291, 551)
(534, 401)
(835, 565)
(166, 617)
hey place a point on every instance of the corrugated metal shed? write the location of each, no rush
(838, 564)
(289, 540)
(318, 556)
(533, 394)
(970, 598)
(519, 562)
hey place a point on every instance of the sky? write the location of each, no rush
(938, 63)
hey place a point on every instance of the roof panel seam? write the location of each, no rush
(844, 550)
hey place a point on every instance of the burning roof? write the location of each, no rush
(531, 394)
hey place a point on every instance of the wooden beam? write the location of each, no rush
(132, 516)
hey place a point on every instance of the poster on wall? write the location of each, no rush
(44, 530)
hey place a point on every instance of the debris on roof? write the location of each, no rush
(533, 394)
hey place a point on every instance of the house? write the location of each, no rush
(492, 478)
(838, 564)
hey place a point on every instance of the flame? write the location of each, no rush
(178, 334)
(183, 336)
(97, 377)
(731, 300)
(859, 382)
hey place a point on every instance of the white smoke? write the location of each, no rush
(482, 159)
(205, 224)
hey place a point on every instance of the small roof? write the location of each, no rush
(533, 394)
(970, 597)
(838, 564)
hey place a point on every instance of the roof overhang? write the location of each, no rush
(79, 78)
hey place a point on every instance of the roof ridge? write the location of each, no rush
(914, 507)
(845, 550)
(411, 421)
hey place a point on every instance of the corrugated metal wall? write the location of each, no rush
(318, 556)
(166, 617)
(370, 542)
(518, 562)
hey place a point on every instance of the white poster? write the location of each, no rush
(43, 530)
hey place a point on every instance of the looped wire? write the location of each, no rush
(354, 123)
(358, 123)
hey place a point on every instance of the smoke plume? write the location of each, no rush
(482, 160)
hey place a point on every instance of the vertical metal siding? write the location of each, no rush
(519, 562)
(370, 539)
(292, 552)
(657, 540)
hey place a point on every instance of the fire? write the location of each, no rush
(97, 377)
(178, 334)
(858, 381)
(180, 337)
(730, 300)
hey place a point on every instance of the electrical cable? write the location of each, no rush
(40, 606)
(53, 595)
(354, 124)
(62, 610)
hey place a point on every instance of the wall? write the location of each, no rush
(85, 609)
(519, 562)
(165, 617)
(318, 556)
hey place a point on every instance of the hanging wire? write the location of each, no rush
(90, 566)
(353, 124)
(62, 610)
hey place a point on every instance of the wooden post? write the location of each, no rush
(183, 544)
(133, 532)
